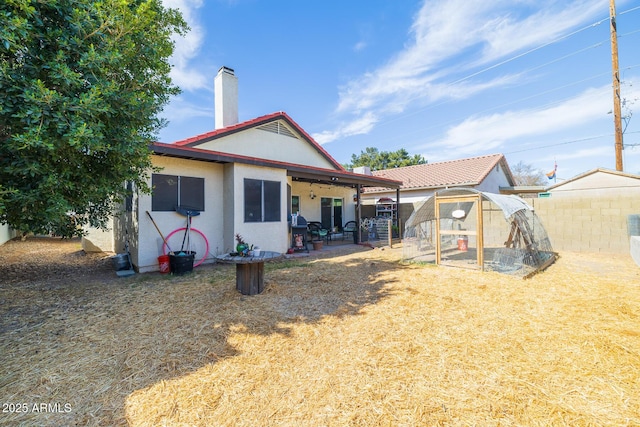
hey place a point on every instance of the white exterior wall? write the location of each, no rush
(493, 181)
(223, 216)
(97, 240)
(6, 233)
(268, 145)
(209, 222)
(598, 184)
(269, 236)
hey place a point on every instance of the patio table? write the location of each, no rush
(249, 270)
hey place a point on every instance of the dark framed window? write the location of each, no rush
(191, 192)
(261, 200)
(170, 191)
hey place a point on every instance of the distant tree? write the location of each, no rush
(82, 83)
(525, 174)
(379, 160)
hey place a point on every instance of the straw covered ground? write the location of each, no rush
(357, 338)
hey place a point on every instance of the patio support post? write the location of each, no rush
(398, 212)
(358, 213)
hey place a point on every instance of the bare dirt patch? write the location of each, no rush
(351, 338)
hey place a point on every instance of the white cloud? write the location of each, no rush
(179, 110)
(325, 136)
(363, 125)
(359, 46)
(506, 34)
(490, 132)
(443, 31)
(184, 72)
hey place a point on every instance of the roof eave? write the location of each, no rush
(310, 173)
(429, 187)
(516, 189)
(340, 178)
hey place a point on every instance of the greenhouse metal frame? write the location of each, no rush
(467, 228)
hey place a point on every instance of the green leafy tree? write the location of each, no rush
(379, 160)
(82, 83)
(525, 174)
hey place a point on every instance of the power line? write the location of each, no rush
(575, 52)
(537, 108)
(629, 10)
(448, 101)
(569, 142)
(513, 58)
(453, 120)
(506, 104)
(558, 144)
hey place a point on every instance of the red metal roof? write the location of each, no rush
(461, 172)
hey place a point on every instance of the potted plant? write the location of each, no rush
(317, 244)
(242, 247)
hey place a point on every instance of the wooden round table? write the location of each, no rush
(249, 270)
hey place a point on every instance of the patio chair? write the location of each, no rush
(349, 227)
(317, 232)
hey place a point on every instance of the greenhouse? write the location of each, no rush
(467, 228)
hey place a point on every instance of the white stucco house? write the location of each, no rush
(244, 178)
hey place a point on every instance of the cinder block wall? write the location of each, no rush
(588, 224)
(594, 222)
(496, 227)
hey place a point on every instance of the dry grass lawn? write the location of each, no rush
(355, 339)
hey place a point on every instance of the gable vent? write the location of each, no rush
(279, 128)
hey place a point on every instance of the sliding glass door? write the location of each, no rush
(331, 212)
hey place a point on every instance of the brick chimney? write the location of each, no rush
(226, 98)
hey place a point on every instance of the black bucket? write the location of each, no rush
(182, 262)
(121, 262)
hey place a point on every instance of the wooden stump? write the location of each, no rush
(250, 278)
(249, 270)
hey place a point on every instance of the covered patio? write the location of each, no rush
(316, 193)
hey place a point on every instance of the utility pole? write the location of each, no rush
(617, 119)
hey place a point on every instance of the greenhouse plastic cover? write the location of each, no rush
(509, 204)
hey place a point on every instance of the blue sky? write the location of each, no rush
(445, 79)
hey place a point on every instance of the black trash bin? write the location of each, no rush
(182, 262)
